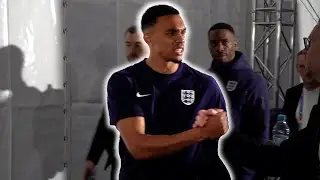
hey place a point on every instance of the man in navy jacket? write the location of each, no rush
(247, 91)
(298, 156)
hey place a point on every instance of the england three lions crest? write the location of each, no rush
(187, 96)
(231, 85)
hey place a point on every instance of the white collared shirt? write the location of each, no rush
(307, 100)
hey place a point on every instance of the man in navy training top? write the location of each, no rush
(154, 104)
(135, 49)
(296, 157)
(247, 91)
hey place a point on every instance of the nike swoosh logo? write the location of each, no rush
(142, 95)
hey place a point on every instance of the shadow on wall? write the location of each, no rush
(92, 46)
(37, 124)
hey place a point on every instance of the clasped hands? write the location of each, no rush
(213, 123)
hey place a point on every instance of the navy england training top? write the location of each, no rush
(169, 103)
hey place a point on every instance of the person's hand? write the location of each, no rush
(217, 125)
(90, 168)
(203, 116)
(213, 122)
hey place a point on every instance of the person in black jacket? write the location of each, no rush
(297, 99)
(247, 91)
(312, 45)
(295, 158)
(104, 136)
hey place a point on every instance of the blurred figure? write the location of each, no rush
(297, 157)
(136, 49)
(312, 45)
(300, 99)
(247, 91)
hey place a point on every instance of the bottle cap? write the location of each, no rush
(282, 117)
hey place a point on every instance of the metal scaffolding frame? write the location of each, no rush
(272, 23)
(67, 96)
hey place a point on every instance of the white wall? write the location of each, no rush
(307, 18)
(32, 123)
(200, 15)
(5, 135)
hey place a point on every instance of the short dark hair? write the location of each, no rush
(131, 29)
(222, 25)
(150, 16)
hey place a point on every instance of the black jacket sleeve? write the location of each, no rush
(290, 105)
(295, 158)
(254, 123)
(242, 150)
(255, 119)
(98, 143)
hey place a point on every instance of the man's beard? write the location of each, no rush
(176, 61)
(311, 85)
(312, 75)
(132, 59)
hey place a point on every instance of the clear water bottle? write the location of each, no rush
(280, 130)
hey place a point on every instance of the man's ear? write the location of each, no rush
(236, 44)
(147, 38)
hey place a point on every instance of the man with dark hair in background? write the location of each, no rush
(247, 91)
(135, 49)
(296, 157)
(155, 102)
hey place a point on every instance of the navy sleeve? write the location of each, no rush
(209, 151)
(98, 143)
(103, 140)
(256, 114)
(121, 99)
(254, 125)
(216, 98)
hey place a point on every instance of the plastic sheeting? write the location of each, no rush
(92, 48)
(32, 122)
(5, 124)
